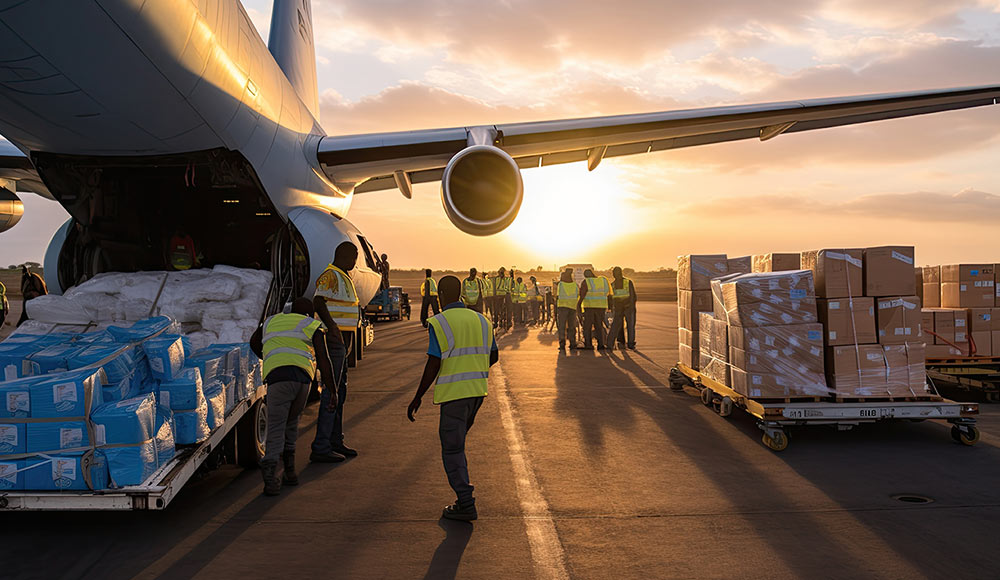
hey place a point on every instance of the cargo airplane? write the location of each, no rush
(148, 118)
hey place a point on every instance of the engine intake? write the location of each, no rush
(481, 190)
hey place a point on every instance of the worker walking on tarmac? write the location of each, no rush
(519, 296)
(503, 299)
(592, 305)
(487, 295)
(472, 292)
(461, 351)
(512, 286)
(291, 346)
(428, 297)
(336, 303)
(535, 302)
(623, 299)
(566, 305)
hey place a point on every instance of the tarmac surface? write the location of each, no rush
(586, 465)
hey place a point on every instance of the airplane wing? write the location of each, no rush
(14, 164)
(389, 160)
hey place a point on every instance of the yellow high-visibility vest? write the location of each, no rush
(488, 287)
(502, 286)
(465, 338)
(433, 286)
(522, 292)
(569, 294)
(598, 291)
(288, 342)
(622, 294)
(336, 288)
(470, 291)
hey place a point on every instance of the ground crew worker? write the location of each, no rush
(181, 251)
(487, 296)
(384, 265)
(522, 302)
(566, 305)
(32, 286)
(462, 350)
(428, 297)
(535, 301)
(623, 306)
(592, 305)
(503, 298)
(512, 288)
(336, 302)
(4, 305)
(291, 346)
(472, 292)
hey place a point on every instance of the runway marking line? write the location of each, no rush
(546, 549)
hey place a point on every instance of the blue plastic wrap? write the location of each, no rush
(191, 426)
(215, 396)
(57, 435)
(184, 392)
(66, 472)
(54, 358)
(15, 398)
(13, 438)
(230, 357)
(11, 475)
(164, 435)
(119, 366)
(165, 355)
(232, 392)
(131, 465)
(128, 421)
(99, 337)
(70, 394)
(15, 362)
(209, 363)
(141, 330)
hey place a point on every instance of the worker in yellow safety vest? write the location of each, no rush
(337, 304)
(292, 346)
(593, 303)
(535, 302)
(623, 299)
(566, 304)
(460, 353)
(487, 296)
(428, 297)
(503, 299)
(4, 305)
(472, 292)
(521, 307)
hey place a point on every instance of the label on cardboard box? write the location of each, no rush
(959, 322)
(833, 305)
(902, 258)
(833, 335)
(798, 294)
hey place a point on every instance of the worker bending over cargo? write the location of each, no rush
(472, 292)
(623, 299)
(336, 302)
(461, 351)
(292, 346)
(428, 297)
(592, 304)
(566, 306)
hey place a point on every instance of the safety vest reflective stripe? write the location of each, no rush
(597, 293)
(622, 294)
(520, 293)
(487, 287)
(569, 293)
(288, 342)
(433, 284)
(470, 291)
(465, 338)
(342, 304)
(503, 286)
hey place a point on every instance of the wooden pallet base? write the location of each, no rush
(788, 400)
(928, 398)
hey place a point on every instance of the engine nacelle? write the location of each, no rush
(11, 209)
(481, 190)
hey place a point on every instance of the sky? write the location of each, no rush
(932, 182)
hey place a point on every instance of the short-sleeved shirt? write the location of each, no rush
(434, 348)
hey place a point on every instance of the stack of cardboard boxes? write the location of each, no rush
(960, 305)
(694, 295)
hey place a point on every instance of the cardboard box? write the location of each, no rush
(918, 280)
(705, 331)
(696, 300)
(741, 265)
(783, 339)
(777, 386)
(688, 356)
(836, 273)
(898, 319)
(967, 272)
(932, 294)
(927, 323)
(847, 320)
(715, 339)
(983, 341)
(968, 294)
(687, 318)
(695, 272)
(931, 274)
(981, 319)
(856, 370)
(718, 303)
(687, 337)
(770, 298)
(906, 375)
(995, 318)
(888, 271)
(775, 363)
(776, 262)
(945, 322)
(995, 342)
(935, 351)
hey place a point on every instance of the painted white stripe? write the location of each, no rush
(546, 549)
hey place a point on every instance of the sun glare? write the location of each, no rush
(568, 211)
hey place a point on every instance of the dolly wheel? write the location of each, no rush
(969, 436)
(706, 396)
(726, 406)
(778, 443)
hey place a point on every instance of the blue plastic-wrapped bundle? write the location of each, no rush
(119, 367)
(15, 398)
(69, 471)
(71, 394)
(12, 475)
(15, 361)
(54, 436)
(164, 435)
(209, 363)
(141, 330)
(232, 397)
(231, 359)
(165, 355)
(99, 337)
(128, 430)
(215, 396)
(13, 438)
(258, 374)
(191, 426)
(182, 393)
(53, 358)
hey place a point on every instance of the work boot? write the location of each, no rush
(331, 457)
(462, 513)
(289, 477)
(269, 471)
(345, 451)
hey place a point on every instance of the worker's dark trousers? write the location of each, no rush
(624, 320)
(425, 303)
(478, 306)
(330, 424)
(285, 402)
(457, 418)
(565, 322)
(593, 326)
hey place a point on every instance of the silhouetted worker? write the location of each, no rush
(520, 298)
(535, 301)
(472, 292)
(460, 353)
(623, 299)
(181, 251)
(593, 303)
(292, 346)
(385, 271)
(4, 305)
(487, 296)
(32, 286)
(428, 297)
(502, 289)
(336, 302)
(566, 304)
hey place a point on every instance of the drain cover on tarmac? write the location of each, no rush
(911, 498)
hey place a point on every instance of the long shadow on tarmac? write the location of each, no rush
(447, 557)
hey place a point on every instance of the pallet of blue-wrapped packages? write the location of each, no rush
(109, 410)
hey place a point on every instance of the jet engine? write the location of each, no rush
(481, 190)
(11, 209)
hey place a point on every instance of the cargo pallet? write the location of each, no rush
(245, 428)
(774, 416)
(975, 375)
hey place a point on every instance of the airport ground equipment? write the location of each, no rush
(775, 416)
(976, 376)
(386, 305)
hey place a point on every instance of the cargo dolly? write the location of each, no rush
(774, 416)
(974, 375)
